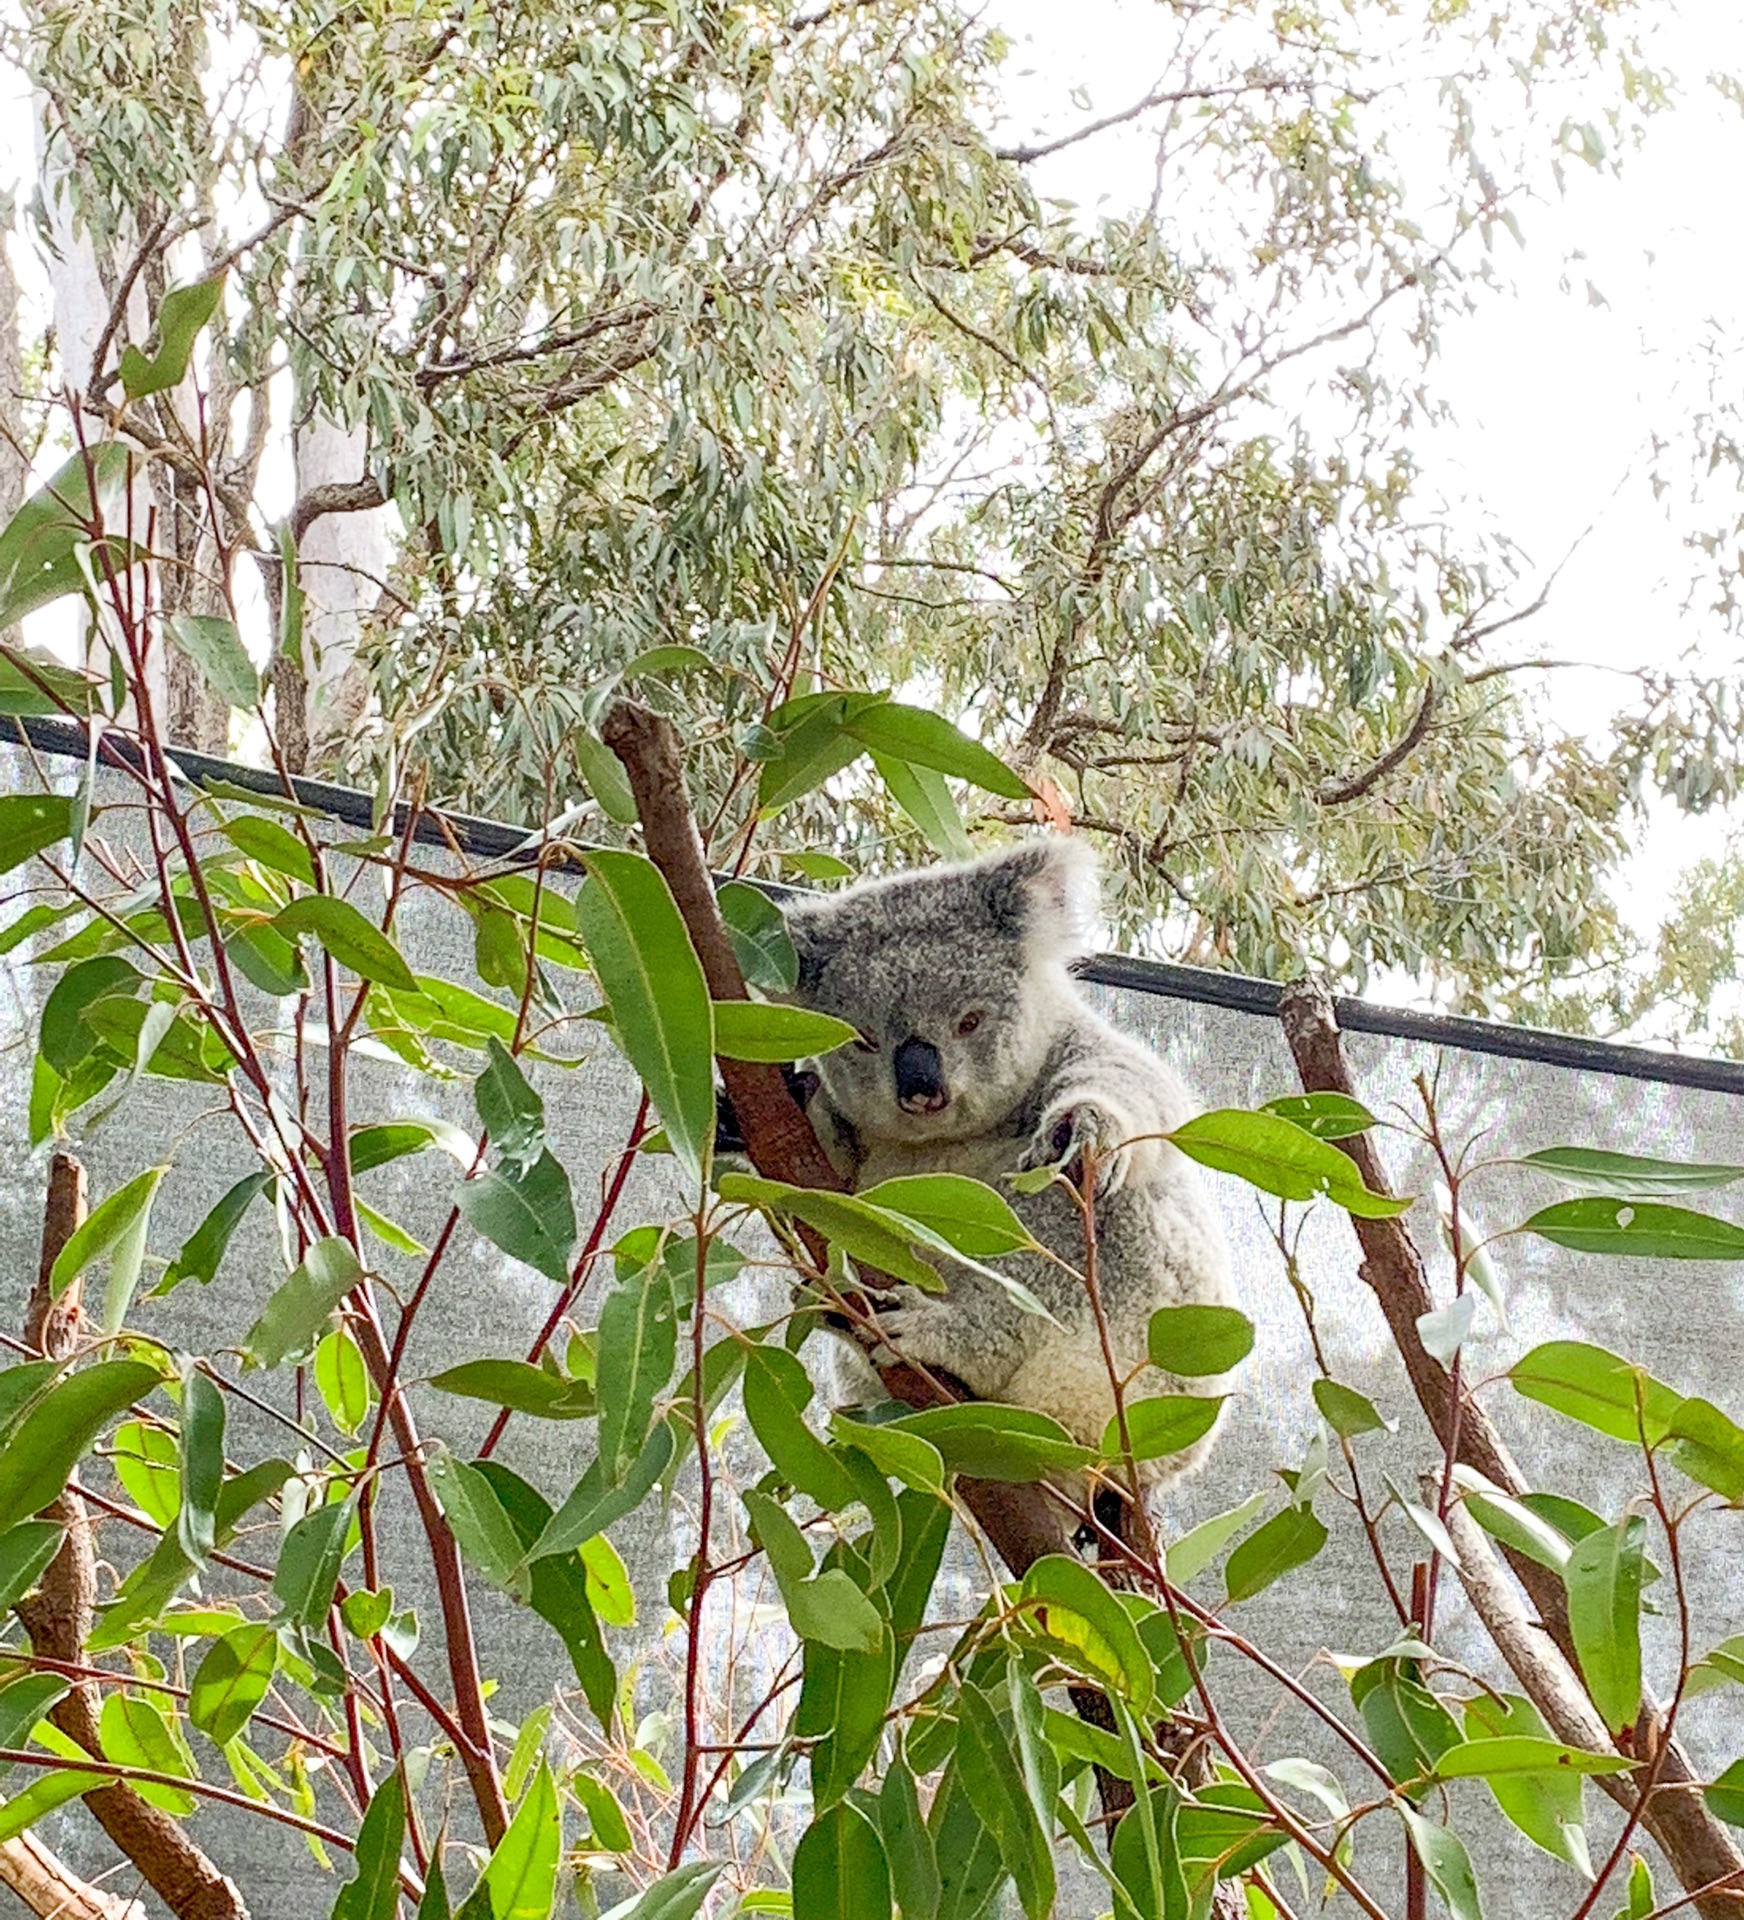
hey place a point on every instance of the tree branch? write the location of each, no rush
(58, 1618)
(1337, 792)
(1157, 97)
(1694, 1842)
(338, 496)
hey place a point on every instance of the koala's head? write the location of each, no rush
(956, 980)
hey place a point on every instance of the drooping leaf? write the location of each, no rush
(295, 1316)
(58, 1428)
(842, 1703)
(1347, 1412)
(865, 1233)
(922, 794)
(839, 1871)
(215, 647)
(908, 1847)
(638, 1347)
(1603, 1578)
(675, 1896)
(309, 1563)
(966, 1213)
(521, 1878)
(487, 1536)
(654, 986)
(342, 1380)
(337, 926)
(1073, 1607)
(1546, 1807)
(1708, 1445)
(604, 774)
(760, 940)
(373, 1893)
(1280, 1158)
(995, 1785)
(987, 1441)
(924, 739)
(115, 1229)
(532, 1218)
(181, 315)
(232, 1680)
(521, 1386)
(1447, 1864)
(202, 1463)
(510, 1109)
(203, 1251)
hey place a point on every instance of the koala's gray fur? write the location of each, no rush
(1039, 1077)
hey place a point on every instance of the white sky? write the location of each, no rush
(1555, 397)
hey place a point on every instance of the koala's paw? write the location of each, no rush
(919, 1329)
(1071, 1127)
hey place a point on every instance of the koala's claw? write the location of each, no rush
(1068, 1130)
(921, 1331)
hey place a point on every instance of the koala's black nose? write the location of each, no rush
(920, 1078)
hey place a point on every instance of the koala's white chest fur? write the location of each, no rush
(971, 1026)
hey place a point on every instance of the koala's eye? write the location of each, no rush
(865, 1045)
(969, 1022)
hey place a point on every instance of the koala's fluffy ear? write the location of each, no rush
(816, 941)
(1044, 891)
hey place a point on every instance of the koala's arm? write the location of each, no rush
(1107, 1093)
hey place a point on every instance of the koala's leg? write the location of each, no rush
(964, 1332)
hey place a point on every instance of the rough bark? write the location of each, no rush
(58, 1617)
(1697, 1847)
(48, 1887)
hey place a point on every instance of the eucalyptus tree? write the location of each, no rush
(588, 336)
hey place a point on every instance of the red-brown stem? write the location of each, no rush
(1416, 1881)
(689, 1806)
(578, 1274)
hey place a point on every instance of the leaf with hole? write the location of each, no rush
(1642, 1229)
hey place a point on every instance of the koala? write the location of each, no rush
(978, 1055)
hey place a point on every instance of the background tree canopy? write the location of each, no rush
(729, 353)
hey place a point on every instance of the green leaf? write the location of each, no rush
(908, 1847)
(556, 1588)
(1328, 1116)
(593, 1504)
(202, 1463)
(995, 1785)
(922, 794)
(924, 739)
(1196, 1341)
(232, 1680)
(965, 1213)
(759, 936)
(654, 986)
(1644, 1229)
(1492, 1759)
(1278, 1157)
(676, 1896)
(521, 1878)
(342, 1380)
(25, 1551)
(373, 1893)
(509, 1109)
(638, 1347)
(603, 774)
(839, 1872)
(1603, 1578)
(272, 845)
(58, 1428)
(486, 1535)
(342, 931)
(1725, 1796)
(777, 1392)
(1162, 1424)
(1347, 1412)
(42, 1796)
(810, 745)
(1629, 1173)
(1076, 1611)
(1445, 1861)
(987, 1441)
(216, 648)
(23, 1701)
(1708, 1445)
(1288, 1540)
(1196, 1549)
(865, 1233)
(309, 1563)
(34, 682)
(390, 1140)
(757, 1030)
(605, 1818)
(842, 1702)
(180, 318)
(39, 549)
(66, 1038)
(901, 1456)
(521, 1386)
(116, 1230)
(289, 639)
(1609, 1394)
(531, 1219)
(294, 1317)
(134, 1733)
(29, 822)
(203, 1251)
(1547, 1806)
